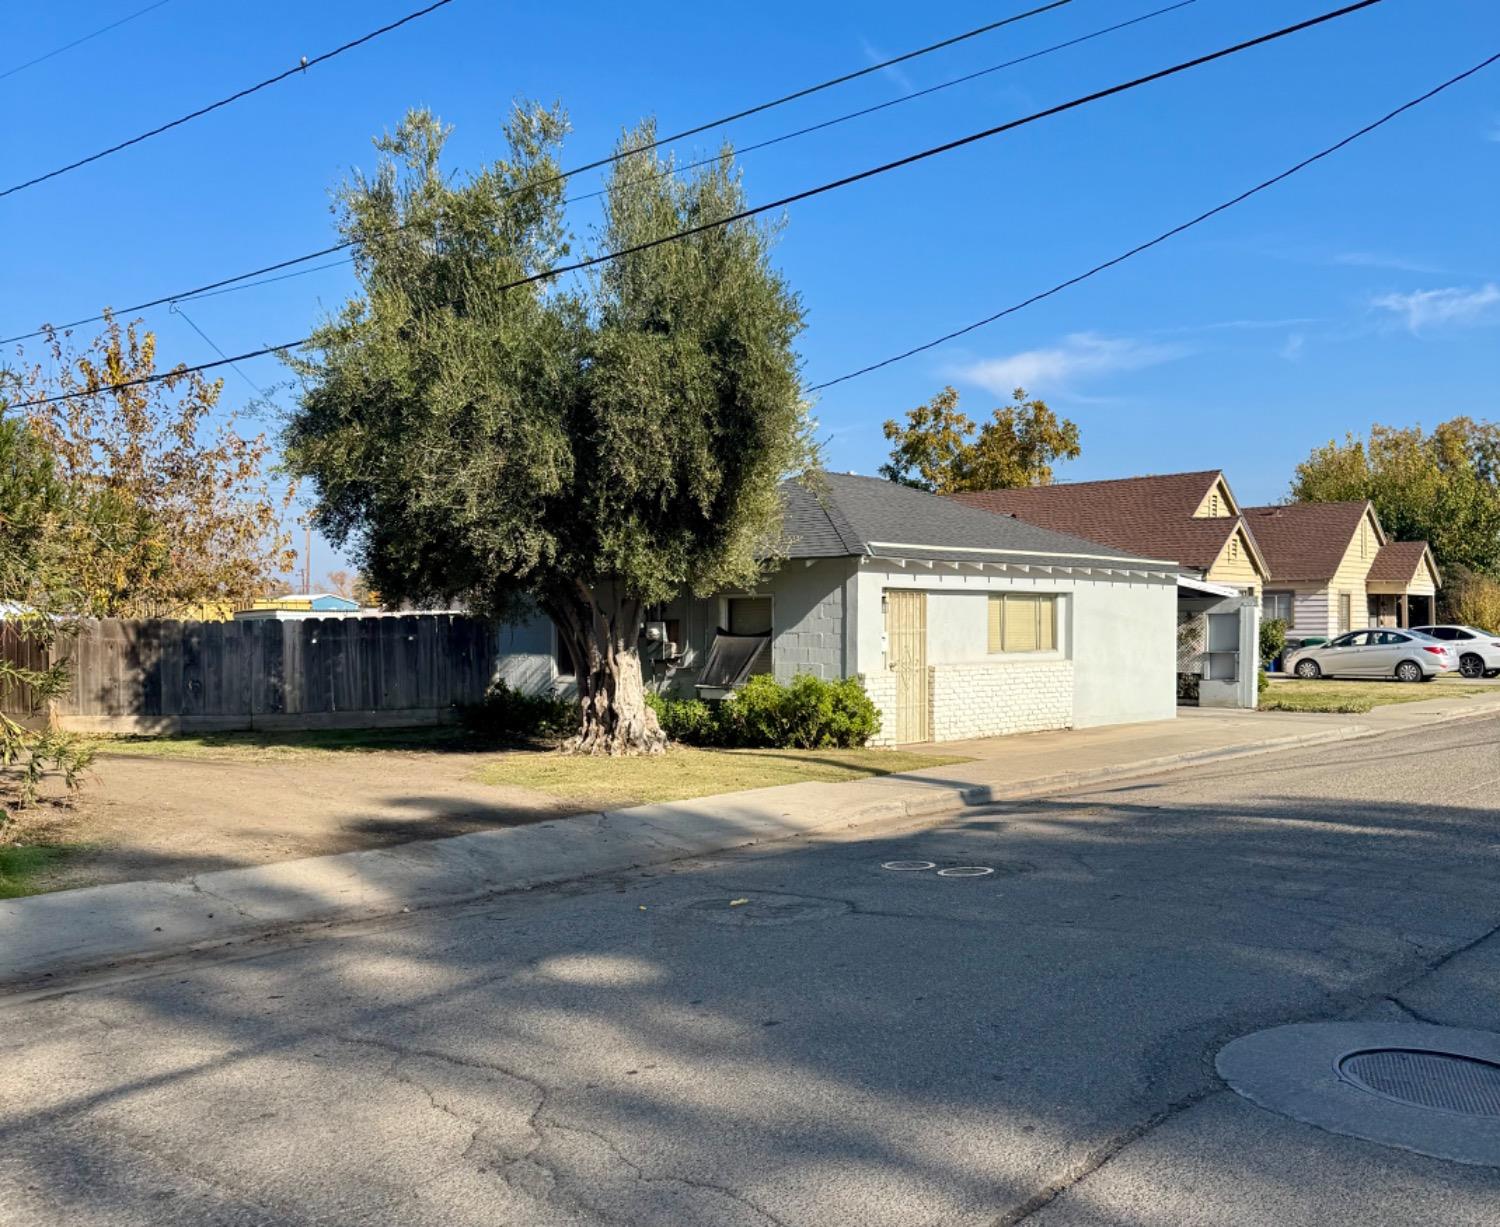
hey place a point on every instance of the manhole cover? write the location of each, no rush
(908, 866)
(1434, 1090)
(1426, 1079)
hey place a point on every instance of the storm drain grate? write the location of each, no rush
(1426, 1079)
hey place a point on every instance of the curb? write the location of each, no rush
(50, 936)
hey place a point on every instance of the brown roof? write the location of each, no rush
(1397, 562)
(1146, 515)
(1304, 540)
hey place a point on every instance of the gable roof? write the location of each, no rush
(1398, 562)
(841, 515)
(1306, 541)
(1152, 515)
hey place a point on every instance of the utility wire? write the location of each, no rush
(1165, 234)
(333, 249)
(177, 310)
(78, 42)
(807, 193)
(303, 66)
(739, 152)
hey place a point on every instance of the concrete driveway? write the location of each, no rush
(848, 1045)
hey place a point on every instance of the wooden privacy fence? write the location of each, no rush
(157, 675)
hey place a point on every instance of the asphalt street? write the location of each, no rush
(797, 1036)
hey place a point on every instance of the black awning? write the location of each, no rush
(731, 659)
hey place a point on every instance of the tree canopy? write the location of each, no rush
(940, 448)
(180, 514)
(1442, 487)
(482, 431)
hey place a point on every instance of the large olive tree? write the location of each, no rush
(594, 444)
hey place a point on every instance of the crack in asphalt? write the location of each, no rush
(1102, 1156)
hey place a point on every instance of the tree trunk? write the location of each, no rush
(602, 632)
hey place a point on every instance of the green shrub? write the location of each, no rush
(688, 720)
(1272, 638)
(807, 714)
(507, 714)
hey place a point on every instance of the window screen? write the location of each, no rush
(1022, 623)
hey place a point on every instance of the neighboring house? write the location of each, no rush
(1333, 569)
(298, 605)
(961, 623)
(1192, 517)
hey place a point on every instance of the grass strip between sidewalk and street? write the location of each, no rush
(684, 772)
(1324, 695)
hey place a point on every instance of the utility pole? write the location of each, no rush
(307, 561)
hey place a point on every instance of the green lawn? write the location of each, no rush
(258, 747)
(1323, 695)
(24, 868)
(683, 772)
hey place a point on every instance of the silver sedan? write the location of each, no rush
(1406, 656)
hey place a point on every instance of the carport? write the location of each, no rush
(1218, 645)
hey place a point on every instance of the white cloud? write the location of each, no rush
(890, 72)
(1295, 343)
(1426, 308)
(1378, 259)
(1080, 357)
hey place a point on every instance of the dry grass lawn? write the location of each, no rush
(1324, 695)
(684, 772)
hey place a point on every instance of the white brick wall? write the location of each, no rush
(983, 699)
(881, 687)
(992, 699)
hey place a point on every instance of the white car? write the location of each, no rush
(1478, 651)
(1378, 652)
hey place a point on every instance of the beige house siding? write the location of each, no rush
(1312, 613)
(1352, 574)
(1217, 502)
(1235, 566)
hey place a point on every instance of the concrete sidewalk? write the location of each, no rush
(72, 930)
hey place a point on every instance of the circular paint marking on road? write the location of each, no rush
(908, 866)
(966, 871)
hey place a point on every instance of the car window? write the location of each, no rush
(1356, 639)
(1343, 641)
(1436, 632)
(1390, 638)
(1457, 634)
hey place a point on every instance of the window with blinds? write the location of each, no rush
(1023, 623)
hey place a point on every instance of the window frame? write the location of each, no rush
(1278, 594)
(995, 625)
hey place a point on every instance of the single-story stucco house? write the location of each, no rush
(961, 623)
(1333, 569)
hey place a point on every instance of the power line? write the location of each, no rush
(303, 66)
(1164, 235)
(78, 42)
(214, 345)
(220, 288)
(808, 193)
(182, 295)
(921, 93)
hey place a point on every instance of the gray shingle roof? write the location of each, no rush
(839, 514)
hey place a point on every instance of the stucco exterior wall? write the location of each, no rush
(1119, 635)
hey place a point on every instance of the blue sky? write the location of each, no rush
(1366, 289)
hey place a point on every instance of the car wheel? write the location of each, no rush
(1471, 665)
(1409, 671)
(1308, 669)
